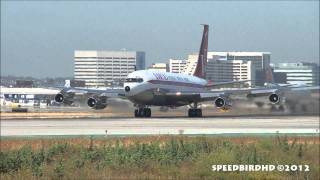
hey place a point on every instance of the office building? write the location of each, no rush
(299, 73)
(177, 65)
(191, 64)
(232, 70)
(162, 67)
(260, 60)
(106, 68)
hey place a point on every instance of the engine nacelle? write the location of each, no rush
(65, 98)
(99, 102)
(274, 98)
(59, 98)
(222, 102)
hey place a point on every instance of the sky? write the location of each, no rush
(38, 39)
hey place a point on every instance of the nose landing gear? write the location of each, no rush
(142, 112)
(194, 111)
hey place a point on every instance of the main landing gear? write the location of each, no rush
(195, 111)
(142, 112)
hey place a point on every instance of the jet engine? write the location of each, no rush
(223, 102)
(59, 98)
(274, 98)
(65, 98)
(97, 102)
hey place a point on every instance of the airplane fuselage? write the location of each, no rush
(146, 87)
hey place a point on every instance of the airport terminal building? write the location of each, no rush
(299, 73)
(106, 68)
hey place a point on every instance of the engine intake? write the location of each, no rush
(274, 98)
(65, 98)
(99, 102)
(222, 102)
(59, 98)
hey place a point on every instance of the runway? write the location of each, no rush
(154, 126)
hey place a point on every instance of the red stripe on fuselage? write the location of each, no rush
(176, 83)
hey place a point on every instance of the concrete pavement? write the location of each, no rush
(154, 126)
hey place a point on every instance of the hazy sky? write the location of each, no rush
(39, 38)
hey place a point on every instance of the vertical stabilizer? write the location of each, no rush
(202, 58)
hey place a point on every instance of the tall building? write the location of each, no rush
(232, 70)
(299, 73)
(177, 65)
(191, 64)
(260, 60)
(162, 67)
(105, 68)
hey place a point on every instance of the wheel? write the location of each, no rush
(189, 113)
(141, 112)
(147, 112)
(273, 108)
(136, 113)
(192, 113)
(281, 108)
(199, 112)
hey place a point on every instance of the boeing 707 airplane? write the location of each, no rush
(147, 88)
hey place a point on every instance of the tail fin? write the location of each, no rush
(202, 59)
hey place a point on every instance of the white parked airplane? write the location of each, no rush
(147, 88)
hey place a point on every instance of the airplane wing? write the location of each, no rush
(97, 98)
(88, 91)
(225, 84)
(249, 92)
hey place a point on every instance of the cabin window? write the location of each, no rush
(139, 80)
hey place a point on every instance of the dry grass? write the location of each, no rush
(14, 144)
(154, 157)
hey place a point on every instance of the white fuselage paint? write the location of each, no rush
(154, 81)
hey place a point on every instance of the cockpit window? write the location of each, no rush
(139, 80)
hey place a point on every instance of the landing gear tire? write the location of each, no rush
(142, 112)
(136, 113)
(199, 113)
(281, 108)
(195, 113)
(147, 112)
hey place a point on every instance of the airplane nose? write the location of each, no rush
(127, 88)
